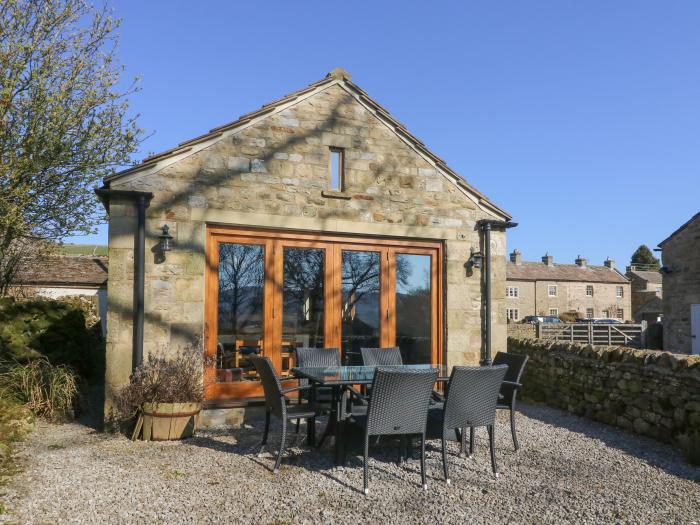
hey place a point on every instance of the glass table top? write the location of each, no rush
(350, 375)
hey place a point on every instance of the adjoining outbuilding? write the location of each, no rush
(317, 220)
(647, 293)
(681, 288)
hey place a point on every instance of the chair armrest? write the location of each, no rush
(295, 389)
(357, 395)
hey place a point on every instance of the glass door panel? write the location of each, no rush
(413, 307)
(302, 301)
(241, 319)
(360, 303)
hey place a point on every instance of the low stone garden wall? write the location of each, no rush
(656, 394)
(522, 330)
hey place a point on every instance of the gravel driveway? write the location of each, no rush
(568, 470)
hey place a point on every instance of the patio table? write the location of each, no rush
(340, 378)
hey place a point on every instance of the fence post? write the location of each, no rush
(609, 335)
(590, 333)
(643, 335)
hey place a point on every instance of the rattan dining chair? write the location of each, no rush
(313, 357)
(398, 406)
(470, 402)
(276, 403)
(390, 356)
(510, 387)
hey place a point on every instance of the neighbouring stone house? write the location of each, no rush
(58, 276)
(318, 220)
(646, 294)
(681, 288)
(549, 288)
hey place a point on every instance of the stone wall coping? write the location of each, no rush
(677, 363)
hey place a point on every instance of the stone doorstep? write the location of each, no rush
(235, 417)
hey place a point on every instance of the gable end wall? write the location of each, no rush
(274, 174)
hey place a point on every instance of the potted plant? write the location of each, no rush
(165, 396)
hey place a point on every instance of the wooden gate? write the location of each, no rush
(594, 334)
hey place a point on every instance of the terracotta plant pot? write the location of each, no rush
(167, 421)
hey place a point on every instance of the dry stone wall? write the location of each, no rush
(522, 330)
(656, 394)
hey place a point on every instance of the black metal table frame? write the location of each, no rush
(336, 419)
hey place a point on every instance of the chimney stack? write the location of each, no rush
(548, 259)
(515, 257)
(609, 263)
(582, 262)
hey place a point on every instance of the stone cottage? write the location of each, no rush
(681, 288)
(549, 288)
(317, 220)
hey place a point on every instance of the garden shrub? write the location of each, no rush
(52, 329)
(162, 378)
(47, 390)
(15, 422)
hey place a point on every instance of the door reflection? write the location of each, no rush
(303, 301)
(240, 310)
(413, 308)
(360, 303)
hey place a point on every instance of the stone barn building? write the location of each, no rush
(681, 288)
(317, 220)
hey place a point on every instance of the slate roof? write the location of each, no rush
(537, 271)
(337, 76)
(64, 270)
(651, 277)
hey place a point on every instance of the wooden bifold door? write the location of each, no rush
(268, 292)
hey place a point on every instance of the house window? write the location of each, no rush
(590, 314)
(620, 313)
(337, 168)
(554, 312)
(620, 291)
(512, 314)
(552, 290)
(512, 291)
(589, 290)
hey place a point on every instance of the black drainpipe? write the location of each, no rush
(486, 225)
(139, 280)
(142, 199)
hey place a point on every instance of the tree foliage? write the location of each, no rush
(64, 122)
(644, 256)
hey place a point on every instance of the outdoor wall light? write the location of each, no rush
(165, 240)
(476, 259)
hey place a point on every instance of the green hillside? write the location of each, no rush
(83, 249)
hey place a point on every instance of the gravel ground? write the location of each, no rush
(568, 470)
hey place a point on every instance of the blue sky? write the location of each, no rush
(582, 119)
